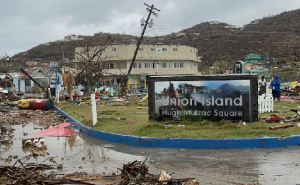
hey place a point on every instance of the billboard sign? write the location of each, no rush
(201, 99)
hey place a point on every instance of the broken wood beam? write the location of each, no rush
(281, 126)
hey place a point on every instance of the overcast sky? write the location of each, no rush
(28, 23)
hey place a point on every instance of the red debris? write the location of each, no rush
(63, 125)
(58, 130)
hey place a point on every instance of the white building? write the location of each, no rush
(71, 37)
(156, 59)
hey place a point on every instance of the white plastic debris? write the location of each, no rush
(42, 140)
(241, 123)
(164, 176)
(35, 141)
(28, 142)
(168, 126)
(6, 139)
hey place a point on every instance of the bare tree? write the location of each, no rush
(70, 81)
(123, 84)
(89, 55)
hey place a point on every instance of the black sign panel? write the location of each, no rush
(229, 97)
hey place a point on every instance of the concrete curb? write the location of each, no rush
(193, 143)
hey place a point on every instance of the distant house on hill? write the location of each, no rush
(231, 27)
(252, 58)
(256, 69)
(214, 22)
(180, 35)
(256, 21)
(53, 64)
(99, 33)
(71, 37)
(31, 63)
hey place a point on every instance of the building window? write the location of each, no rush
(137, 65)
(114, 49)
(27, 82)
(164, 49)
(175, 49)
(152, 49)
(106, 66)
(141, 49)
(178, 65)
(149, 65)
(166, 65)
(8, 84)
(111, 66)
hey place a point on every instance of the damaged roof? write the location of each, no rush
(32, 72)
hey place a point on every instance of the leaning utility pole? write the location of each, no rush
(150, 9)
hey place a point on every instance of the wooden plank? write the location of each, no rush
(281, 126)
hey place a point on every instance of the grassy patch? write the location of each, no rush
(132, 119)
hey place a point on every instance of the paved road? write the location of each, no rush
(255, 166)
(211, 167)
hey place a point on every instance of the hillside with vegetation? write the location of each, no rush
(218, 43)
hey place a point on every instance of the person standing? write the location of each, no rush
(275, 84)
(262, 89)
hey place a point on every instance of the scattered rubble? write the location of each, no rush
(35, 146)
(23, 117)
(136, 172)
(9, 97)
(33, 173)
(293, 118)
(21, 172)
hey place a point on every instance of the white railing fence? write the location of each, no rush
(265, 103)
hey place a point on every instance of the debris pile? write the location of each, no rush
(136, 172)
(9, 97)
(22, 117)
(35, 146)
(22, 173)
(275, 118)
(295, 118)
(43, 118)
(6, 133)
(33, 173)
